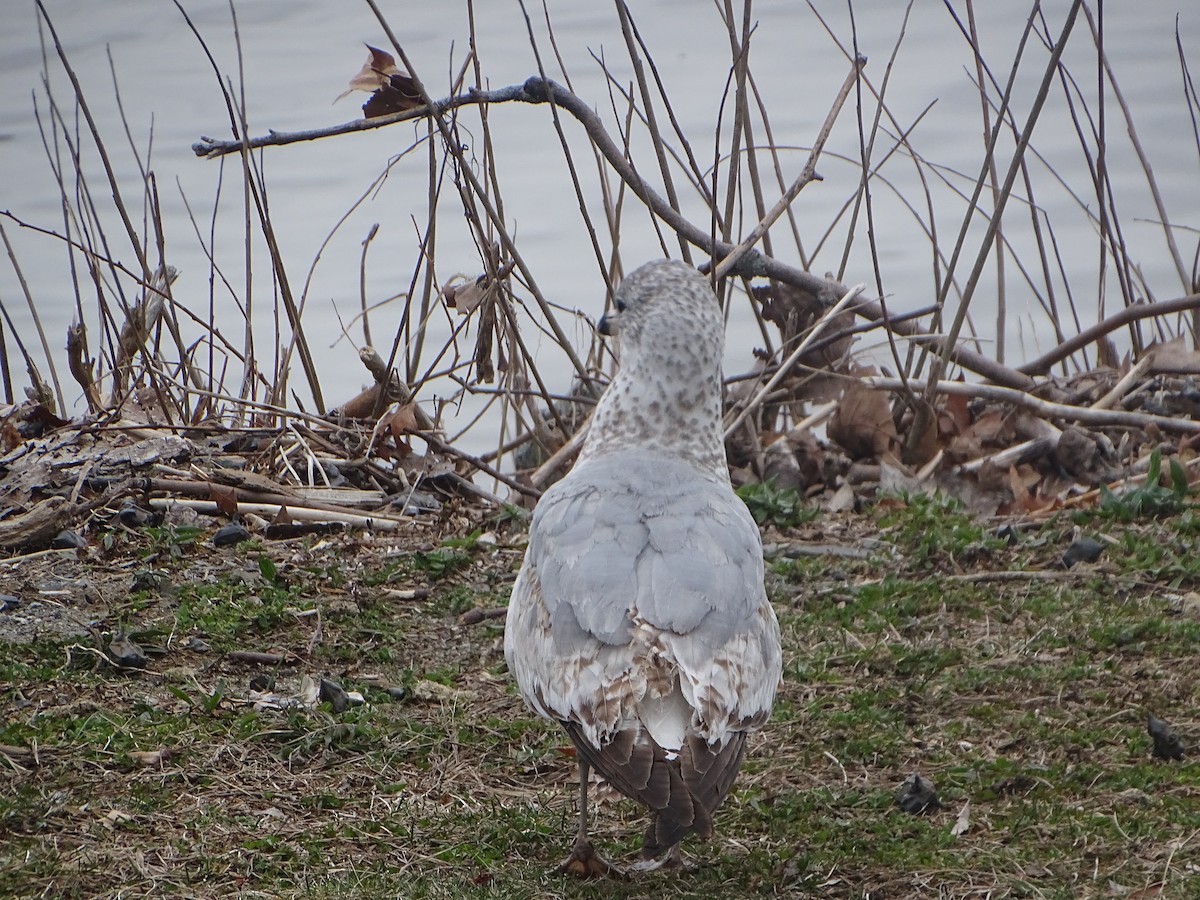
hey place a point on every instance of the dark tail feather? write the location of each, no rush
(707, 777)
(682, 792)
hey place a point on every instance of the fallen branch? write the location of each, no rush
(475, 616)
(302, 499)
(1122, 317)
(263, 659)
(298, 513)
(1046, 408)
(38, 525)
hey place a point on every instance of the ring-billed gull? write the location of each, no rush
(639, 619)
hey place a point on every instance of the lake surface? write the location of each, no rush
(298, 56)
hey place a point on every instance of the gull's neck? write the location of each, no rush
(678, 417)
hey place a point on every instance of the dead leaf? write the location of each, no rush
(463, 296)
(224, 498)
(485, 372)
(310, 691)
(842, 500)
(896, 478)
(986, 431)
(391, 88)
(963, 823)
(956, 414)
(862, 424)
(149, 757)
(378, 68)
(397, 95)
(397, 424)
(117, 817)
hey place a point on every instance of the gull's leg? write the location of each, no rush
(581, 835)
(584, 861)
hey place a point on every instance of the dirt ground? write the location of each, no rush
(331, 716)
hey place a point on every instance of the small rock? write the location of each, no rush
(131, 516)
(197, 645)
(334, 694)
(228, 535)
(1166, 742)
(917, 796)
(1082, 549)
(68, 540)
(262, 683)
(125, 652)
(8, 601)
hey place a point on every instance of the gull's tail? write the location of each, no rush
(682, 789)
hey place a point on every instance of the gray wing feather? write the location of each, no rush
(635, 531)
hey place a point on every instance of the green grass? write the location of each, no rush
(773, 505)
(1025, 696)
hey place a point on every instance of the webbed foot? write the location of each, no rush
(585, 862)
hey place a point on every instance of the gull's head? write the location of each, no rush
(666, 313)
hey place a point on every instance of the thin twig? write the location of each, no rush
(793, 357)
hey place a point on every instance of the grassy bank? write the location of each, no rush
(1019, 688)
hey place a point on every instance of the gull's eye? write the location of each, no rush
(620, 305)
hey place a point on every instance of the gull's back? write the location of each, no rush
(639, 619)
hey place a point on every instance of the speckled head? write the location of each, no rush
(666, 395)
(663, 306)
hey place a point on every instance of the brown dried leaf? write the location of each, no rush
(862, 423)
(225, 498)
(402, 421)
(397, 94)
(983, 432)
(1022, 480)
(956, 414)
(374, 74)
(391, 88)
(399, 423)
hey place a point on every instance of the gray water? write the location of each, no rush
(299, 55)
